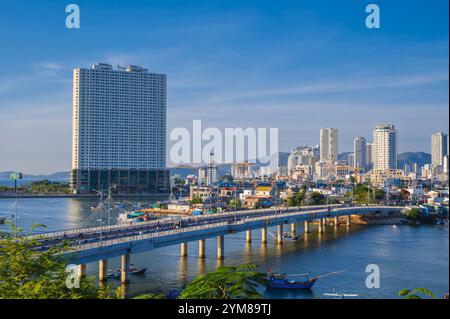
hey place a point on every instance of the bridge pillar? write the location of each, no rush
(280, 235)
(293, 230)
(336, 221)
(349, 220)
(201, 248)
(306, 227)
(320, 229)
(103, 270)
(248, 236)
(220, 244)
(324, 225)
(125, 270)
(264, 235)
(82, 270)
(184, 249)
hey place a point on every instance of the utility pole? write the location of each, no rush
(15, 176)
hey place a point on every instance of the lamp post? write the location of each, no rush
(109, 203)
(15, 176)
(101, 216)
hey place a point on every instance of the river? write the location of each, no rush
(407, 256)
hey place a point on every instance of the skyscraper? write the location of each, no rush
(328, 144)
(359, 151)
(211, 170)
(385, 147)
(369, 156)
(438, 148)
(119, 130)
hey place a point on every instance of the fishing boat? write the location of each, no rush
(115, 274)
(281, 281)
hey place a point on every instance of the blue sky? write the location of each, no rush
(295, 65)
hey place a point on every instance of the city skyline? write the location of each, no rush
(219, 64)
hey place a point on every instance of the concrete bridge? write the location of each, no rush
(103, 243)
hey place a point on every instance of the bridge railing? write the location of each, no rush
(117, 241)
(77, 231)
(285, 212)
(308, 215)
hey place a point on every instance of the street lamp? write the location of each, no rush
(109, 202)
(15, 177)
(101, 216)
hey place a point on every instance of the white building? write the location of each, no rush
(119, 129)
(438, 148)
(302, 155)
(211, 171)
(359, 153)
(201, 180)
(328, 144)
(385, 147)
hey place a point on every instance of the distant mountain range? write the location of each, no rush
(421, 158)
(53, 176)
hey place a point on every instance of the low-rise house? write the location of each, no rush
(203, 192)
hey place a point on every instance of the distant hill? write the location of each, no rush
(421, 158)
(53, 176)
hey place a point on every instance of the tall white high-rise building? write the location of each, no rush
(328, 144)
(385, 147)
(359, 151)
(119, 130)
(211, 171)
(438, 148)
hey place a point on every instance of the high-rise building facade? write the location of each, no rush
(211, 170)
(369, 156)
(119, 130)
(438, 148)
(359, 151)
(385, 147)
(329, 144)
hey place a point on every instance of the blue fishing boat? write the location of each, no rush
(280, 281)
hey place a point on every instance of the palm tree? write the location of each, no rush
(226, 283)
(415, 294)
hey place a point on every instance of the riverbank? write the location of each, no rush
(25, 195)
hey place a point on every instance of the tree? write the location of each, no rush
(196, 200)
(314, 198)
(26, 273)
(235, 203)
(413, 213)
(226, 283)
(299, 198)
(291, 202)
(416, 293)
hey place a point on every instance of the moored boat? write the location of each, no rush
(280, 281)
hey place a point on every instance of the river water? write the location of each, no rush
(407, 256)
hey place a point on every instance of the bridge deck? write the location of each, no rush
(134, 240)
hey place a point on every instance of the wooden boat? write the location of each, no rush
(281, 281)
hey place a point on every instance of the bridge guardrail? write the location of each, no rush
(286, 213)
(147, 236)
(75, 231)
